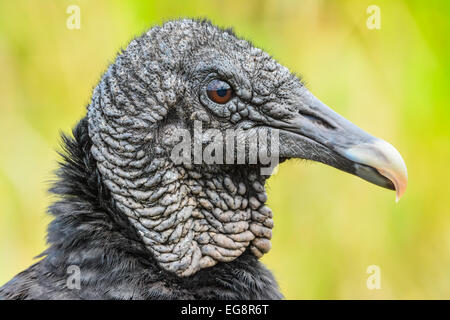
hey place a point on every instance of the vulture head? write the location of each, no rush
(189, 77)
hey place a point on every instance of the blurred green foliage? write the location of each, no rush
(329, 226)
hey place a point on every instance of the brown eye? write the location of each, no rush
(219, 91)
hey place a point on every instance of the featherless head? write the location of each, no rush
(194, 213)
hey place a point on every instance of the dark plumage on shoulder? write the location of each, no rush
(89, 233)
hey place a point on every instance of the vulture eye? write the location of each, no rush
(219, 91)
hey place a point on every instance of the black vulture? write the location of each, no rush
(133, 222)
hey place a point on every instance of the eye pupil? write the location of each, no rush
(219, 91)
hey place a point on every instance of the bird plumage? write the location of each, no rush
(89, 232)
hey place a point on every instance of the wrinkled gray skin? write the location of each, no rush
(195, 218)
(189, 217)
(192, 218)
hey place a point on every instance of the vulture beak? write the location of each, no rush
(314, 131)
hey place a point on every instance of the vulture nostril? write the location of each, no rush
(319, 121)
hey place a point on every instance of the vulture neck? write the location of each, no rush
(193, 217)
(89, 231)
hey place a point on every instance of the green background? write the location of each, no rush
(329, 226)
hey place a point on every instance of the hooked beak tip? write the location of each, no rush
(385, 159)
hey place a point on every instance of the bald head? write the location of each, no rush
(192, 215)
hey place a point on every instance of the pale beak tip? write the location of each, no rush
(400, 188)
(385, 159)
(392, 166)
